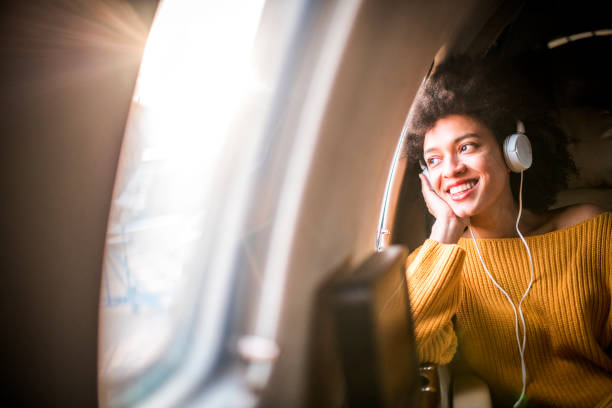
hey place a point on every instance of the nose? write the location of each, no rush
(453, 167)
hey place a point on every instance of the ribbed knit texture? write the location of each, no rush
(568, 311)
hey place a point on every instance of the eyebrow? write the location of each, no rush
(457, 140)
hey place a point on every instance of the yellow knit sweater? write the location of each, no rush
(568, 312)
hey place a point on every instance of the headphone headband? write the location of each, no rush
(520, 127)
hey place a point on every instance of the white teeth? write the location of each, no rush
(462, 187)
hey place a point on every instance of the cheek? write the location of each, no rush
(498, 171)
(495, 183)
(490, 165)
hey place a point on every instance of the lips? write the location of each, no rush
(460, 190)
(462, 187)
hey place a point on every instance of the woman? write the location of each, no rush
(532, 316)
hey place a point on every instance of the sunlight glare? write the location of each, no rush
(195, 70)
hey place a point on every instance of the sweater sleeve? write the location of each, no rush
(433, 274)
(606, 402)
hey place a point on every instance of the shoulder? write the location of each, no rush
(575, 214)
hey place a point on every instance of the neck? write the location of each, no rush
(499, 219)
(502, 223)
(498, 223)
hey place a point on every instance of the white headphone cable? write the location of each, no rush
(521, 345)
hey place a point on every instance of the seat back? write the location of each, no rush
(373, 330)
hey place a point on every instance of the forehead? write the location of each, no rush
(450, 129)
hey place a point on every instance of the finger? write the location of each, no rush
(432, 200)
(428, 191)
(424, 179)
(425, 185)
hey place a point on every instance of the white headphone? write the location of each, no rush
(517, 149)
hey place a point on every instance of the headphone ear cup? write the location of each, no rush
(517, 152)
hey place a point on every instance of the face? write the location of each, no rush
(466, 166)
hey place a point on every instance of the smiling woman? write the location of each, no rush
(512, 305)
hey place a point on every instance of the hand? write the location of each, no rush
(448, 226)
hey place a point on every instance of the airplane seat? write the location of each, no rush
(590, 133)
(582, 93)
(372, 332)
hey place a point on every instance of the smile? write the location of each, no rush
(461, 191)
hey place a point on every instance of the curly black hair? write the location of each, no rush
(498, 93)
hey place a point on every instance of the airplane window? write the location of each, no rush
(398, 167)
(215, 159)
(173, 175)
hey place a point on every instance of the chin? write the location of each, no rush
(468, 207)
(463, 212)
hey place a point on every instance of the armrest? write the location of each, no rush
(440, 389)
(435, 386)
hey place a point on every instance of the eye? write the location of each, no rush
(467, 147)
(432, 161)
